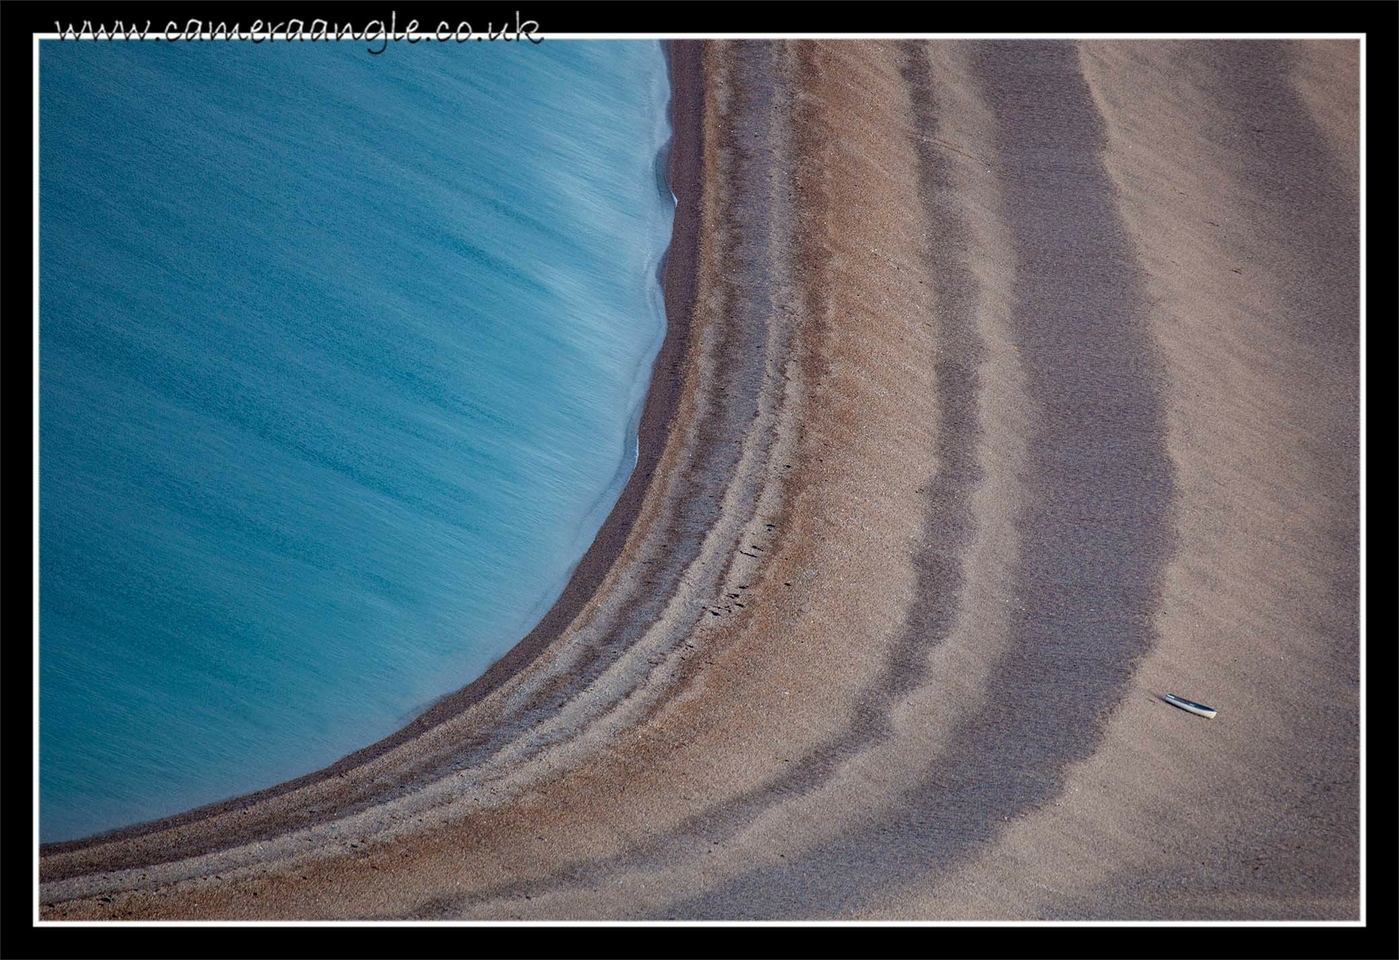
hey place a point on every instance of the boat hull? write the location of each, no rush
(1190, 706)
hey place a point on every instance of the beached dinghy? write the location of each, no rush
(1190, 705)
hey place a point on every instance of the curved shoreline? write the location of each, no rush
(945, 352)
(676, 271)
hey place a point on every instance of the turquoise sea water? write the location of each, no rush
(341, 358)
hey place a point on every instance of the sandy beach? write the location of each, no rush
(1007, 387)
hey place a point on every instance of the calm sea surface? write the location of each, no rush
(341, 358)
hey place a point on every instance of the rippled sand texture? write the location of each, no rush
(1009, 386)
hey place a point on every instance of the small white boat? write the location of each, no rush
(1189, 705)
